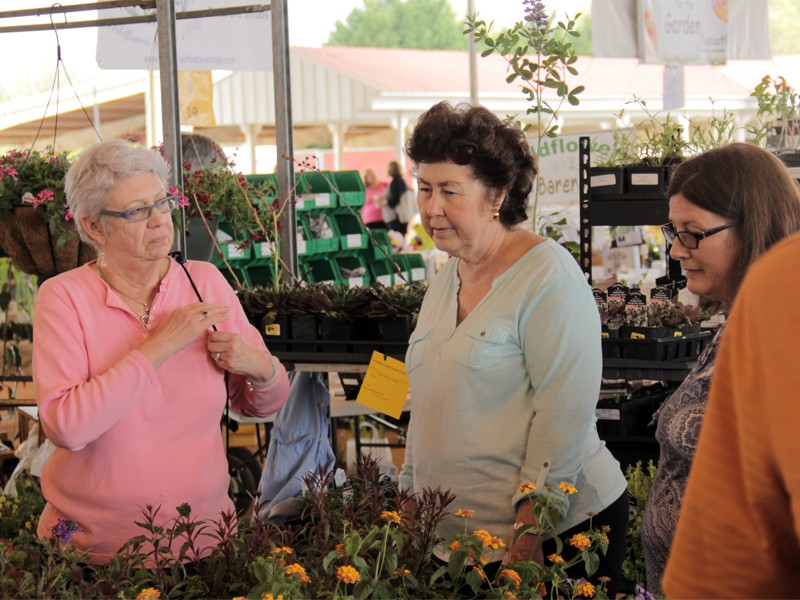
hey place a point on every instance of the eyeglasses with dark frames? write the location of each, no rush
(690, 239)
(145, 211)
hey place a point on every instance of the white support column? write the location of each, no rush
(250, 131)
(154, 129)
(337, 131)
(399, 123)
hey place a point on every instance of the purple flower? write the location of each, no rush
(643, 594)
(64, 529)
(535, 13)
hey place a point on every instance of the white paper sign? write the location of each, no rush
(689, 32)
(240, 42)
(559, 171)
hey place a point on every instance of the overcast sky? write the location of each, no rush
(28, 55)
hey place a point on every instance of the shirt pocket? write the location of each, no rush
(484, 347)
(415, 354)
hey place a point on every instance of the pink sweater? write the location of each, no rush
(127, 435)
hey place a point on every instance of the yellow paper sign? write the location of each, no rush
(195, 91)
(385, 385)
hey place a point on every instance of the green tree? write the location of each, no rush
(783, 16)
(422, 24)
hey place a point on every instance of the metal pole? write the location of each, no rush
(170, 109)
(283, 134)
(473, 59)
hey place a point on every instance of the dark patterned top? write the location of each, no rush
(679, 420)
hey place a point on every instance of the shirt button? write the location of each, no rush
(483, 333)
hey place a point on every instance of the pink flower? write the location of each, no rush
(42, 197)
(68, 214)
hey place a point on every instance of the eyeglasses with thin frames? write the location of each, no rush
(690, 239)
(145, 211)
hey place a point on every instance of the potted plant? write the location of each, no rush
(36, 227)
(717, 132)
(608, 174)
(267, 309)
(340, 307)
(778, 117)
(663, 147)
(396, 309)
(218, 194)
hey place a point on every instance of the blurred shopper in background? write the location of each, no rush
(371, 212)
(393, 194)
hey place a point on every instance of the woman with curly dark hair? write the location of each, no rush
(512, 323)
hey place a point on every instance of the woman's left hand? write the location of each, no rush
(231, 352)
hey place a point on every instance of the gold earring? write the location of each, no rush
(496, 215)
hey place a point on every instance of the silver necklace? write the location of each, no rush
(143, 317)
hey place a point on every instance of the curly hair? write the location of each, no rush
(749, 187)
(498, 152)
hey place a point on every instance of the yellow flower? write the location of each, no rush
(526, 488)
(455, 546)
(149, 594)
(348, 574)
(402, 572)
(480, 572)
(339, 547)
(512, 576)
(510, 595)
(269, 596)
(282, 550)
(565, 487)
(390, 515)
(556, 558)
(465, 514)
(580, 541)
(585, 589)
(299, 571)
(488, 540)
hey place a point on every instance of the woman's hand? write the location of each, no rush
(181, 329)
(527, 547)
(232, 352)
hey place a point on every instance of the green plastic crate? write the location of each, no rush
(262, 253)
(239, 271)
(381, 237)
(312, 245)
(350, 187)
(383, 272)
(315, 191)
(351, 233)
(414, 266)
(232, 252)
(262, 274)
(352, 263)
(320, 270)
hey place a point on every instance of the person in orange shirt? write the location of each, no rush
(738, 534)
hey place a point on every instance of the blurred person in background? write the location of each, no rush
(371, 212)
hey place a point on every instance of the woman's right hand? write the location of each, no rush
(181, 329)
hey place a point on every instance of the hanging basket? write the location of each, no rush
(26, 238)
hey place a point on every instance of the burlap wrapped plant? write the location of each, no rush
(36, 227)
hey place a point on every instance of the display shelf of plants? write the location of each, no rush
(331, 323)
